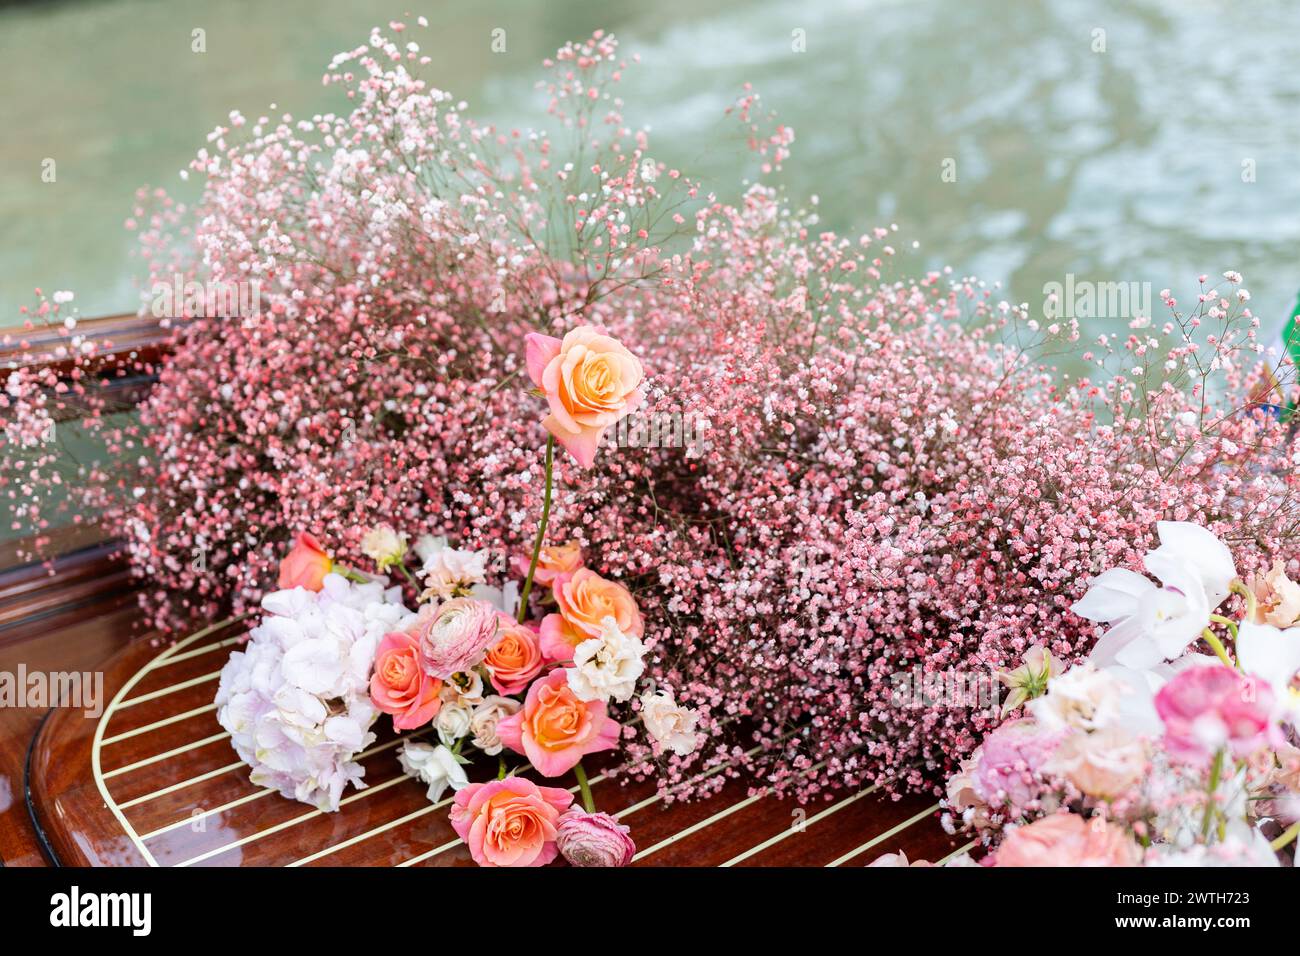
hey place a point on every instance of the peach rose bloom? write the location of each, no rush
(399, 685)
(516, 657)
(1067, 839)
(590, 381)
(555, 730)
(1105, 763)
(306, 565)
(510, 822)
(585, 599)
(552, 561)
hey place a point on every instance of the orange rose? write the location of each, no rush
(585, 599)
(590, 381)
(516, 657)
(306, 565)
(555, 730)
(552, 561)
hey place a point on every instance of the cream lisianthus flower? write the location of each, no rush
(383, 545)
(483, 724)
(453, 722)
(608, 666)
(669, 723)
(1089, 699)
(449, 572)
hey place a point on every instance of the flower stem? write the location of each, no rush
(585, 787)
(1238, 586)
(1215, 770)
(401, 566)
(1227, 622)
(541, 529)
(1287, 836)
(1217, 646)
(350, 573)
(501, 767)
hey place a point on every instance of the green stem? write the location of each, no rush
(541, 529)
(350, 574)
(1287, 836)
(1217, 646)
(1238, 586)
(1227, 622)
(585, 787)
(401, 566)
(1215, 770)
(501, 767)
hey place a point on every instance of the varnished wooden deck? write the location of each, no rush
(154, 782)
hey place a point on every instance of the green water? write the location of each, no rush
(1117, 165)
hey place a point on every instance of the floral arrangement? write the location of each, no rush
(831, 471)
(485, 668)
(1149, 752)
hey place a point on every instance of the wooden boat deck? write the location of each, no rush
(153, 781)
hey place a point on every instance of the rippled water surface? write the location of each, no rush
(1127, 164)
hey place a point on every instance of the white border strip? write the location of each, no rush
(790, 831)
(127, 734)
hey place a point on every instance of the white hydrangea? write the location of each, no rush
(296, 699)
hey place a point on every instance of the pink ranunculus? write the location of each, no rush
(306, 564)
(515, 658)
(1067, 839)
(594, 839)
(555, 729)
(510, 822)
(552, 561)
(1009, 764)
(455, 636)
(400, 686)
(590, 380)
(1206, 708)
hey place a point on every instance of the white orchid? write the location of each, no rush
(1273, 656)
(1154, 623)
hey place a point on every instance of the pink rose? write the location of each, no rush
(400, 686)
(455, 636)
(590, 381)
(584, 600)
(594, 839)
(1209, 707)
(1067, 839)
(306, 565)
(555, 729)
(516, 657)
(510, 822)
(552, 561)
